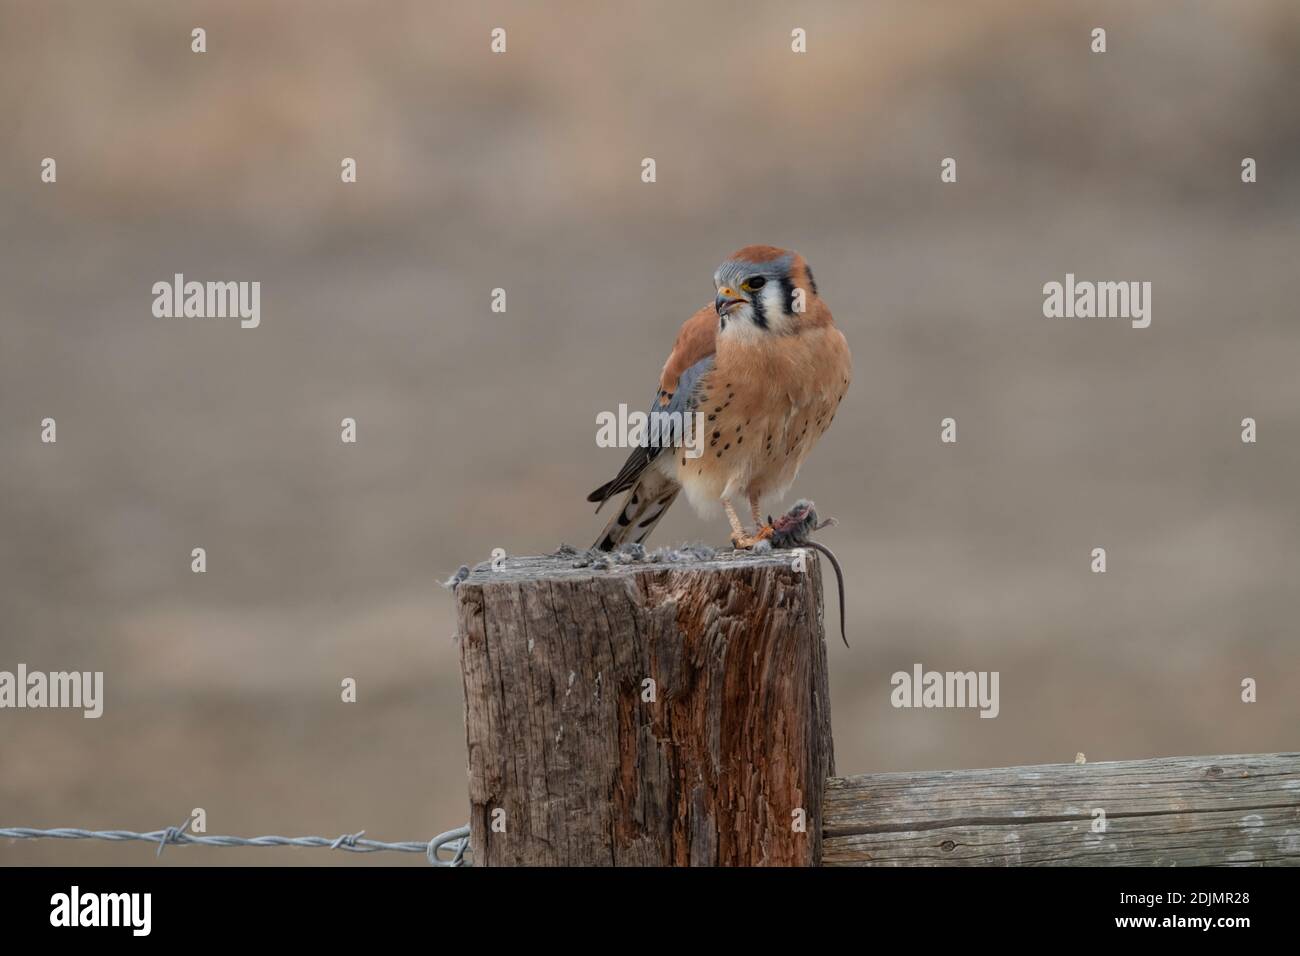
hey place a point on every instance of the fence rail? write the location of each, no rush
(1226, 810)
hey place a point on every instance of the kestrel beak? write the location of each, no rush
(726, 298)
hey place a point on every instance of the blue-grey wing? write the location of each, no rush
(665, 433)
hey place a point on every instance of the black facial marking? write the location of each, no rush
(812, 283)
(787, 295)
(760, 317)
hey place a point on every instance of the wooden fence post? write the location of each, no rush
(650, 713)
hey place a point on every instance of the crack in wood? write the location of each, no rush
(918, 826)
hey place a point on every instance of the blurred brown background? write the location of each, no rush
(476, 430)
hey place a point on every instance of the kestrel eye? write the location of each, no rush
(754, 283)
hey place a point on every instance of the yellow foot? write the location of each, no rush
(743, 542)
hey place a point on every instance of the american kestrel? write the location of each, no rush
(767, 368)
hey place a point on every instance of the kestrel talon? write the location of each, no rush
(766, 369)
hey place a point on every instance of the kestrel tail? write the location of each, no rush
(766, 367)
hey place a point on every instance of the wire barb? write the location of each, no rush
(173, 835)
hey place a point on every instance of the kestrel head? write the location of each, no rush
(763, 289)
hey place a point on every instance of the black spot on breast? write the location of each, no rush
(725, 447)
(740, 439)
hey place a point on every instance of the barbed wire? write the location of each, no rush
(454, 842)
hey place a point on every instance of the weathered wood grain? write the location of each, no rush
(1179, 811)
(711, 772)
